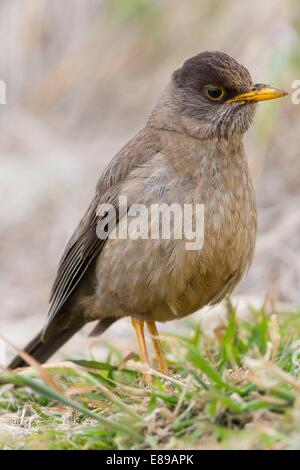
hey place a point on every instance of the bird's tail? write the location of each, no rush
(42, 350)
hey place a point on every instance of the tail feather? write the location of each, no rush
(42, 350)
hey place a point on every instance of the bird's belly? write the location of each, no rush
(162, 280)
(159, 278)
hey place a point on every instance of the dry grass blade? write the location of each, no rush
(43, 374)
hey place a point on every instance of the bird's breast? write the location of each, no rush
(159, 277)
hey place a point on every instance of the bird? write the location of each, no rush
(190, 151)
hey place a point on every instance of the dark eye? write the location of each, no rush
(214, 92)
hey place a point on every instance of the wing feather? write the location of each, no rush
(84, 245)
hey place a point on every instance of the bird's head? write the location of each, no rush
(215, 95)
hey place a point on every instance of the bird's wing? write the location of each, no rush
(84, 245)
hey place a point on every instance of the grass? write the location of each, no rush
(237, 390)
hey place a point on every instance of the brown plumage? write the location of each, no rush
(190, 151)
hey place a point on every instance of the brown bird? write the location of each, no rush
(189, 152)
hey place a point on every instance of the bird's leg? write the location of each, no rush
(138, 325)
(159, 355)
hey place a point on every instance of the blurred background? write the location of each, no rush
(81, 78)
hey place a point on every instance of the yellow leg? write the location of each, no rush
(138, 325)
(159, 355)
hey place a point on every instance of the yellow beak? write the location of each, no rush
(259, 93)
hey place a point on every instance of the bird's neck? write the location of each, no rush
(215, 158)
(167, 117)
(188, 148)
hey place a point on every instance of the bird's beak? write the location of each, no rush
(258, 93)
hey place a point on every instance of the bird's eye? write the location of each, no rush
(215, 93)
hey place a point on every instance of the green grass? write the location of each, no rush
(237, 390)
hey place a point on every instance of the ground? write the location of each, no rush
(235, 389)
